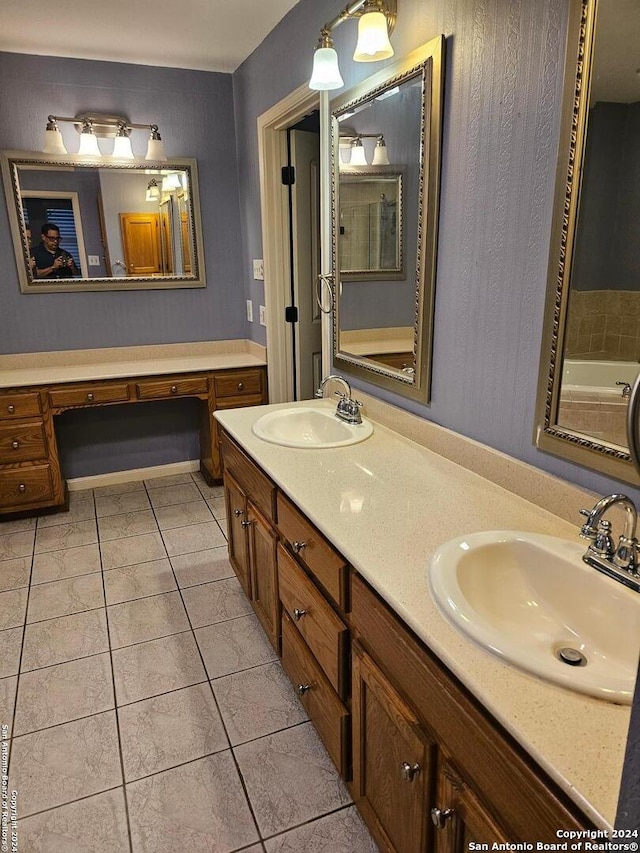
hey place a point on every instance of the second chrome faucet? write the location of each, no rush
(348, 409)
(618, 561)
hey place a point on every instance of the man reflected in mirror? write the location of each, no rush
(51, 261)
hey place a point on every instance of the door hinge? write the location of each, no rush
(291, 314)
(288, 176)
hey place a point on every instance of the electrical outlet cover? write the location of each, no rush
(258, 270)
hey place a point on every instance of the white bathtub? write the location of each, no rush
(597, 377)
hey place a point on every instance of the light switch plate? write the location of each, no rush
(249, 310)
(263, 316)
(258, 270)
(94, 260)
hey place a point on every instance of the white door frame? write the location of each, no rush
(272, 126)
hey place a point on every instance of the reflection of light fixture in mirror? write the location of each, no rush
(380, 154)
(357, 153)
(53, 143)
(93, 126)
(153, 191)
(122, 145)
(171, 182)
(88, 141)
(377, 19)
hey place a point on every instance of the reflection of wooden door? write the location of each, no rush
(185, 236)
(141, 243)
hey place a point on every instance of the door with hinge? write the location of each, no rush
(305, 261)
(141, 243)
(236, 506)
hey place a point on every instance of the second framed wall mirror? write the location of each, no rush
(384, 221)
(591, 343)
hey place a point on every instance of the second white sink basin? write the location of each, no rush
(531, 600)
(303, 426)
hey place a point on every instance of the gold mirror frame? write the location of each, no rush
(548, 435)
(426, 63)
(12, 161)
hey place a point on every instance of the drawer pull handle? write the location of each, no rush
(439, 817)
(246, 523)
(22, 487)
(298, 614)
(90, 397)
(238, 512)
(11, 409)
(298, 546)
(240, 386)
(15, 444)
(174, 389)
(410, 771)
(302, 689)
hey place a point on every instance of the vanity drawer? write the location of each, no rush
(323, 561)
(238, 383)
(256, 485)
(324, 632)
(19, 405)
(325, 710)
(88, 395)
(173, 387)
(29, 485)
(22, 442)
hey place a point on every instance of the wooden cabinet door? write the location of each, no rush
(236, 503)
(460, 817)
(264, 574)
(141, 243)
(393, 761)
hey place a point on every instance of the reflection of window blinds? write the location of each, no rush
(65, 222)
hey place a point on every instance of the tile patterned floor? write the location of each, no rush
(146, 710)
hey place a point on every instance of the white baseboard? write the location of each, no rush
(115, 477)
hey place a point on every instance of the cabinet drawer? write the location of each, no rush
(19, 405)
(238, 383)
(29, 485)
(87, 395)
(326, 711)
(22, 442)
(323, 561)
(256, 485)
(172, 387)
(324, 632)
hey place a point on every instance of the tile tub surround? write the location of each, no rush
(393, 504)
(142, 697)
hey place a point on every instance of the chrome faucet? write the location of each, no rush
(620, 561)
(348, 409)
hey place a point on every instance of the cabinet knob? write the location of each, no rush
(238, 512)
(11, 409)
(298, 546)
(90, 397)
(439, 817)
(22, 487)
(298, 614)
(410, 771)
(240, 386)
(302, 689)
(15, 444)
(174, 389)
(246, 523)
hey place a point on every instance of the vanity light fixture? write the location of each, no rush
(353, 142)
(380, 153)
(358, 157)
(94, 126)
(171, 182)
(376, 20)
(153, 191)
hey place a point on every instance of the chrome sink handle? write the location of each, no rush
(617, 561)
(348, 409)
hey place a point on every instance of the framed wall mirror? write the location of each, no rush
(591, 344)
(384, 222)
(80, 225)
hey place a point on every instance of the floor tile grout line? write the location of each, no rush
(22, 817)
(115, 702)
(310, 821)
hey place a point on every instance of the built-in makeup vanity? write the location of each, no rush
(440, 742)
(35, 387)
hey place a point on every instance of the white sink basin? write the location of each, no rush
(525, 597)
(307, 427)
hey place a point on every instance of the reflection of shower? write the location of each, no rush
(383, 230)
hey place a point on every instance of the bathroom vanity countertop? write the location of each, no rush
(387, 504)
(42, 368)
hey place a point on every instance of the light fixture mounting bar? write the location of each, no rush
(103, 126)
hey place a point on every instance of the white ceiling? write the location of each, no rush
(208, 35)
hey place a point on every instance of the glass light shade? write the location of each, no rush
(53, 143)
(357, 155)
(326, 73)
(380, 155)
(88, 144)
(155, 151)
(373, 38)
(122, 148)
(153, 192)
(171, 182)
